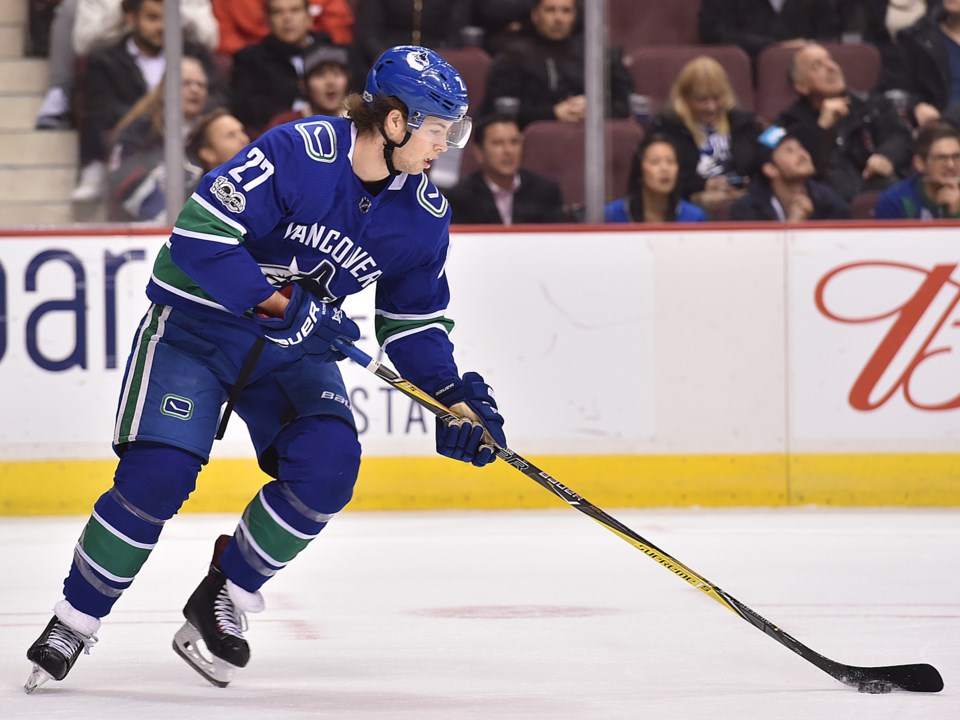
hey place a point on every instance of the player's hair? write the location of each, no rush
(930, 133)
(635, 183)
(369, 119)
(705, 74)
(480, 129)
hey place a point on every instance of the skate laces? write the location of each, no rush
(230, 619)
(67, 641)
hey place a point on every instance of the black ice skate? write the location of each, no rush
(54, 653)
(211, 640)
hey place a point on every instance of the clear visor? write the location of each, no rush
(444, 132)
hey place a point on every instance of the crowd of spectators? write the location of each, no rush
(252, 64)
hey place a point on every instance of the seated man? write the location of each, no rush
(501, 192)
(857, 140)
(543, 73)
(934, 191)
(756, 24)
(216, 138)
(265, 77)
(782, 190)
(324, 85)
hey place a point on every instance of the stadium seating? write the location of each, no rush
(636, 23)
(556, 150)
(473, 64)
(862, 205)
(775, 93)
(654, 69)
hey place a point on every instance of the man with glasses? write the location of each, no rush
(247, 308)
(934, 191)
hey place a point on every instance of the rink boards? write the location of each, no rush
(715, 365)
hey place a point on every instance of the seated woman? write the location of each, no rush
(137, 176)
(715, 140)
(652, 188)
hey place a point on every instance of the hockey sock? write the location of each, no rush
(319, 458)
(150, 484)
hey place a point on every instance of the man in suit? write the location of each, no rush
(500, 192)
(115, 78)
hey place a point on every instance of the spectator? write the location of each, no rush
(857, 140)
(266, 76)
(544, 72)
(244, 22)
(436, 24)
(215, 138)
(82, 26)
(324, 85)
(502, 22)
(715, 141)
(933, 192)
(115, 78)
(501, 192)
(652, 192)
(783, 189)
(931, 58)
(877, 22)
(756, 24)
(137, 171)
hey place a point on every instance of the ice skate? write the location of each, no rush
(211, 640)
(54, 653)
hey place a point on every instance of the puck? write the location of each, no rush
(875, 687)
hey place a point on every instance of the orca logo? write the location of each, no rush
(177, 406)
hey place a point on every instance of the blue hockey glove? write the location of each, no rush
(310, 323)
(464, 441)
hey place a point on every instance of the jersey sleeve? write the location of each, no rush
(411, 322)
(243, 199)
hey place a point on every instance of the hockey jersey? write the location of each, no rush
(290, 208)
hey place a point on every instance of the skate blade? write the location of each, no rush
(188, 644)
(38, 676)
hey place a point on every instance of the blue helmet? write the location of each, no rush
(427, 84)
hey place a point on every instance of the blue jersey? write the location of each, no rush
(289, 207)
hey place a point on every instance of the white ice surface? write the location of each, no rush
(426, 616)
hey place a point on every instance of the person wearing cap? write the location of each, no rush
(783, 189)
(265, 79)
(247, 310)
(324, 85)
(933, 192)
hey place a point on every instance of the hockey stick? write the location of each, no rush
(914, 678)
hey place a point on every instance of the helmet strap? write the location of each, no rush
(388, 148)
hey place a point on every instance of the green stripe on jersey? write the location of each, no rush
(196, 218)
(275, 540)
(112, 553)
(168, 272)
(388, 327)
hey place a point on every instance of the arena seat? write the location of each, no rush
(556, 150)
(636, 23)
(473, 64)
(774, 92)
(654, 69)
(862, 206)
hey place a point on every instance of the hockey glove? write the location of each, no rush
(463, 440)
(310, 323)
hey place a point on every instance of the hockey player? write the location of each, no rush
(260, 257)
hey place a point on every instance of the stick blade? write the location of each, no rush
(920, 677)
